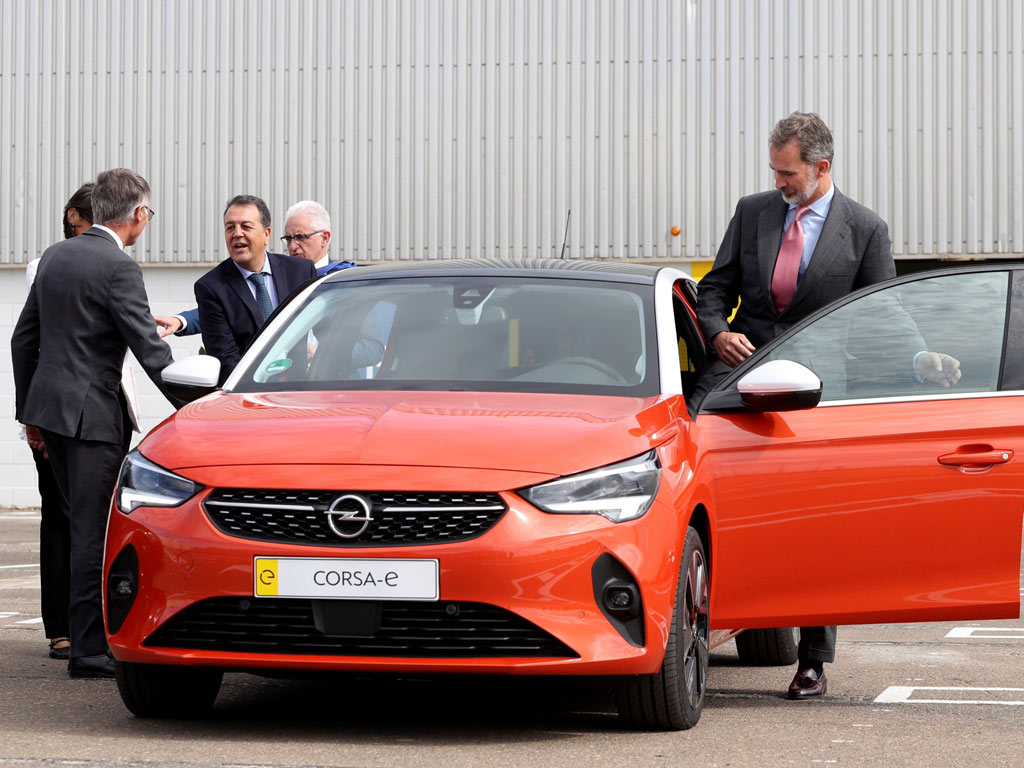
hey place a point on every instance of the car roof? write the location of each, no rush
(508, 267)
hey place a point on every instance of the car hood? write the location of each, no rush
(552, 434)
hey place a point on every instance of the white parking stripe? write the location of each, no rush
(37, 620)
(10, 567)
(976, 633)
(900, 694)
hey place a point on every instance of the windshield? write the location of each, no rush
(503, 334)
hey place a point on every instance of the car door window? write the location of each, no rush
(688, 339)
(868, 348)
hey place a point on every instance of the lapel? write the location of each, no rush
(769, 239)
(828, 249)
(236, 283)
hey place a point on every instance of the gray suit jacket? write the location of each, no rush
(853, 250)
(86, 307)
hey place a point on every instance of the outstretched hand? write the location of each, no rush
(167, 326)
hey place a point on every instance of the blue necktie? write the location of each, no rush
(262, 296)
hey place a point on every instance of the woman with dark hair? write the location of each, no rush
(78, 212)
(54, 526)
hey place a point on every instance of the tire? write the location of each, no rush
(673, 697)
(768, 647)
(153, 690)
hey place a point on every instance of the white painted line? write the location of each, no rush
(900, 694)
(8, 614)
(1011, 633)
(37, 620)
(27, 565)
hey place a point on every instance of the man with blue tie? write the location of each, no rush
(307, 234)
(235, 298)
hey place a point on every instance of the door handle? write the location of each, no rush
(975, 458)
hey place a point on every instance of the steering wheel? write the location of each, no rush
(597, 365)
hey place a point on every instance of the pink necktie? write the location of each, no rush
(787, 266)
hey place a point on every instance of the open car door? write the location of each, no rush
(895, 498)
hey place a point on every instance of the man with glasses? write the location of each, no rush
(87, 306)
(307, 234)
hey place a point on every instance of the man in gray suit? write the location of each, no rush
(86, 307)
(787, 253)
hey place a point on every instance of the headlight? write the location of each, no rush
(143, 484)
(620, 492)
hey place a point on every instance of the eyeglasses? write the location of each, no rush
(300, 238)
(151, 212)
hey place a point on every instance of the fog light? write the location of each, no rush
(622, 599)
(617, 594)
(124, 586)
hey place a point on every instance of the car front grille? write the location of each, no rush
(407, 629)
(395, 519)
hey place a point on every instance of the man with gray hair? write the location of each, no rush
(85, 309)
(307, 233)
(787, 253)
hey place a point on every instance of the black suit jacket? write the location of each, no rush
(87, 306)
(853, 250)
(228, 313)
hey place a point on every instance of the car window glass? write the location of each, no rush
(870, 347)
(487, 333)
(690, 345)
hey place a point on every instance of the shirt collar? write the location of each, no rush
(822, 204)
(117, 238)
(265, 271)
(323, 262)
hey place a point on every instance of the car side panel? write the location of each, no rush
(845, 515)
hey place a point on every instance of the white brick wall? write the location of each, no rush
(170, 291)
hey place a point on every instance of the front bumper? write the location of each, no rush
(537, 567)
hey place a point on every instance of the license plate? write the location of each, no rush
(346, 578)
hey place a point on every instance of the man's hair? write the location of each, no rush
(81, 201)
(250, 200)
(118, 192)
(319, 218)
(812, 136)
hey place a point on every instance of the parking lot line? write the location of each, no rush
(11, 567)
(36, 620)
(901, 694)
(980, 633)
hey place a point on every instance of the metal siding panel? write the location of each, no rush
(451, 127)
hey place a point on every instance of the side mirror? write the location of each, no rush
(780, 385)
(191, 378)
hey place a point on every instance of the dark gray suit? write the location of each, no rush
(87, 306)
(853, 251)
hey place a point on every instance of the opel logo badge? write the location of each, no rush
(349, 516)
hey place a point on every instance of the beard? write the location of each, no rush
(798, 197)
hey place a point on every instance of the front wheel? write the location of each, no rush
(155, 690)
(673, 697)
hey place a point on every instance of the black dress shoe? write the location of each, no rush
(807, 684)
(101, 665)
(60, 648)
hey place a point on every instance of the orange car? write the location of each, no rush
(490, 467)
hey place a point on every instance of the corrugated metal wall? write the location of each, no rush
(444, 128)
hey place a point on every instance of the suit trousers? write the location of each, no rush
(86, 471)
(817, 644)
(54, 551)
